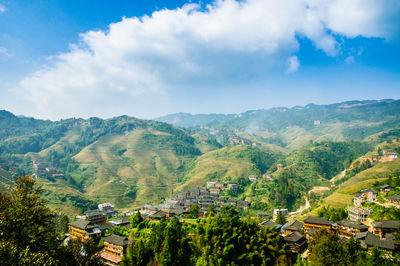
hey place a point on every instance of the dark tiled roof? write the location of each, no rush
(362, 235)
(106, 225)
(353, 224)
(82, 224)
(294, 226)
(158, 215)
(389, 224)
(317, 220)
(294, 237)
(270, 224)
(93, 213)
(116, 240)
(343, 240)
(394, 197)
(374, 241)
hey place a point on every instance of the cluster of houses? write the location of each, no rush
(92, 223)
(43, 169)
(205, 197)
(359, 213)
(265, 177)
(389, 153)
(380, 234)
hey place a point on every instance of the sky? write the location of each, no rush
(105, 58)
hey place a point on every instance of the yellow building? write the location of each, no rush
(114, 248)
(317, 223)
(82, 230)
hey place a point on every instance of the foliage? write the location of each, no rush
(280, 218)
(333, 214)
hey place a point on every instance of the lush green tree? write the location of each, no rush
(280, 218)
(194, 211)
(136, 219)
(325, 249)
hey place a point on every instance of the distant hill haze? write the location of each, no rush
(130, 162)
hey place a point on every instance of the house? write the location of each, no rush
(233, 186)
(114, 248)
(386, 188)
(267, 177)
(317, 223)
(263, 215)
(389, 153)
(358, 214)
(148, 209)
(270, 224)
(291, 227)
(83, 229)
(184, 194)
(349, 228)
(369, 194)
(195, 193)
(388, 246)
(158, 215)
(107, 209)
(279, 166)
(203, 191)
(211, 184)
(282, 211)
(221, 185)
(95, 216)
(395, 200)
(123, 221)
(215, 191)
(383, 227)
(252, 178)
(358, 199)
(296, 242)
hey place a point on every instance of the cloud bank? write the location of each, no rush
(137, 62)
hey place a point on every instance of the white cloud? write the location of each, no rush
(230, 41)
(2, 8)
(293, 64)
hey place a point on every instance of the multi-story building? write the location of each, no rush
(349, 228)
(383, 227)
(106, 208)
(83, 229)
(296, 242)
(358, 214)
(394, 200)
(114, 248)
(291, 227)
(317, 223)
(96, 216)
(369, 194)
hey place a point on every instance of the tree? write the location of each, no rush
(136, 219)
(194, 210)
(325, 249)
(280, 218)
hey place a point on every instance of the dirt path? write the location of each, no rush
(301, 208)
(318, 189)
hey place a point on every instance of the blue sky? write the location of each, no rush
(62, 59)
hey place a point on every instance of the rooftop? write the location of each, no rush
(270, 224)
(394, 197)
(353, 224)
(82, 224)
(375, 241)
(317, 220)
(293, 226)
(293, 237)
(387, 224)
(116, 240)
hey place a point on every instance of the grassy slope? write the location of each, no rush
(343, 195)
(222, 164)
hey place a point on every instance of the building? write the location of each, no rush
(395, 200)
(263, 215)
(388, 246)
(358, 199)
(215, 191)
(358, 214)
(243, 204)
(221, 185)
(267, 177)
(107, 209)
(114, 248)
(369, 194)
(383, 227)
(349, 228)
(389, 153)
(317, 223)
(83, 229)
(96, 217)
(211, 184)
(158, 215)
(291, 227)
(123, 221)
(270, 224)
(386, 188)
(252, 178)
(296, 242)
(282, 211)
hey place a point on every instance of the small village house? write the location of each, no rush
(291, 227)
(386, 188)
(296, 242)
(96, 217)
(252, 178)
(383, 227)
(389, 153)
(369, 194)
(394, 200)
